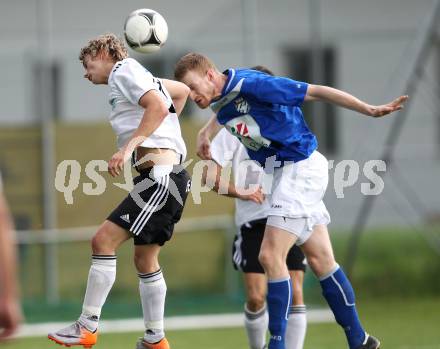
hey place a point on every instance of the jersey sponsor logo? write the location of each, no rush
(248, 132)
(242, 106)
(242, 129)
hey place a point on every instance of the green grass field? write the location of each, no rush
(399, 323)
(390, 262)
(395, 278)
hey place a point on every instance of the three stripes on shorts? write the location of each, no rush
(150, 207)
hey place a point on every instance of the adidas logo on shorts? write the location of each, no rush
(126, 218)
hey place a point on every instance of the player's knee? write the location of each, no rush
(321, 264)
(145, 264)
(256, 297)
(265, 257)
(102, 243)
(255, 302)
(271, 262)
(137, 260)
(314, 263)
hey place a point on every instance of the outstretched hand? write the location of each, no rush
(385, 109)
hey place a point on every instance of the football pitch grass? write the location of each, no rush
(399, 323)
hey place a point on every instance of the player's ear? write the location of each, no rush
(210, 74)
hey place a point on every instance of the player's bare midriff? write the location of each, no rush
(149, 157)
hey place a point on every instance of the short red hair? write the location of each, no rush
(193, 61)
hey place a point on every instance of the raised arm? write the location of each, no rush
(348, 101)
(179, 93)
(204, 137)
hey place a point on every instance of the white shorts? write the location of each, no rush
(297, 193)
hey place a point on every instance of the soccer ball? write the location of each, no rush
(145, 30)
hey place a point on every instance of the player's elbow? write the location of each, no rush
(184, 91)
(176, 89)
(161, 111)
(312, 93)
(154, 105)
(154, 115)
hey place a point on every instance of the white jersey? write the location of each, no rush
(128, 82)
(226, 149)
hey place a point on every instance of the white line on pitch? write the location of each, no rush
(171, 323)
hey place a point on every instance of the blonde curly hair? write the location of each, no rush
(108, 43)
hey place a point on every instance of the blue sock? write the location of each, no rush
(279, 294)
(339, 294)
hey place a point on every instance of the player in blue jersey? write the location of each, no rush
(251, 207)
(264, 113)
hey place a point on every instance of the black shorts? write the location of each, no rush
(152, 208)
(246, 248)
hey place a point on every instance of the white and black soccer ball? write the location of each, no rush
(145, 30)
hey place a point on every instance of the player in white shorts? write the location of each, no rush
(251, 210)
(264, 112)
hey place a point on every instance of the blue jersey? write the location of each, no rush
(264, 112)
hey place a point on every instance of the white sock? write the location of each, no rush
(153, 289)
(296, 327)
(102, 275)
(256, 324)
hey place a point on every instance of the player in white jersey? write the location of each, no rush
(251, 212)
(144, 118)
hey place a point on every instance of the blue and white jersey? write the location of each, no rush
(263, 111)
